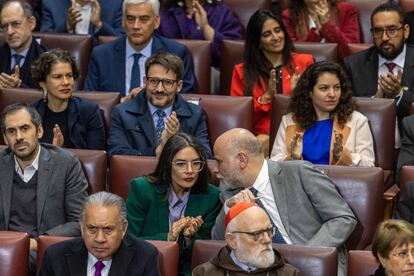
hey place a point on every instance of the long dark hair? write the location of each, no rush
(255, 62)
(177, 142)
(301, 102)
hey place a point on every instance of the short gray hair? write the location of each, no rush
(155, 4)
(107, 200)
(27, 8)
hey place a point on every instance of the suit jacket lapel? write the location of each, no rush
(78, 259)
(144, 118)
(118, 62)
(408, 73)
(162, 209)
(44, 172)
(6, 187)
(5, 59)
(371, 67)
(122, 258)
(279, 193)
(193, 205)
(73, 115)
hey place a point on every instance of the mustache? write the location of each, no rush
(386, 43)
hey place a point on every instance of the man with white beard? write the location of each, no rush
(249, 246)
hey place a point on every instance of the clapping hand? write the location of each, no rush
(11, 81)
(296, 146)
(337, 147)
(192, 226)
(58, 138)
(177, 228)
(390, 85)
(73, 18)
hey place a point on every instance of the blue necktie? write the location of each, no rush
(17, 59)
(135, 72)
(277, 238)
(159, 128)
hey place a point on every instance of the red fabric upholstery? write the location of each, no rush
(14, 253)
(312, 261)
(361, 263)
(406, 5)
(43, 242)
(357, 47)
(168, 257)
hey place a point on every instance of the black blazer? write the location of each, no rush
(405, 207)
(86, 128)
(25, 72)
(70, 257)
(362, 69)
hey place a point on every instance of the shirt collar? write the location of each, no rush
(262, 178)
(243, 266)
(173, 198)
(399, 60)
(35, 163)
(23, 53)
(92, 261)
(154, 109)
(146, 52)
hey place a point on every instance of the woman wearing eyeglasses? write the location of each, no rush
(393, 248)
(331, 21)
(175, 202)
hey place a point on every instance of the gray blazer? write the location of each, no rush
(61, 190)
(310, 207)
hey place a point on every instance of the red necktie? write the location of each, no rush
(390, 66)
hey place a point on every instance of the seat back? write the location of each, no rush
(361, 262)
(224, 113)
(79, 46)
(365, 8)
(232, 54)
(244, 9)
(380, 113)
(105, 100)
(311, 261)
(406, 175)
(43, 242)
(124, 168)
(354, 48)
(94, 163)
(406, 5)
(168, 257)
(14, 253)
(201, 55)
(362, 188)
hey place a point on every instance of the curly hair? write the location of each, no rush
(166, 4)
(43, 65)
(298, 14)
(255, 62)
(162, 172)
(301, 105)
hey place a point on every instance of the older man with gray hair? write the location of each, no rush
(104, 248)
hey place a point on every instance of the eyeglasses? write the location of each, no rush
(13, 25)
(167, 83)
(182, 166)
(391, 31)
(404, 253)
(257, 235)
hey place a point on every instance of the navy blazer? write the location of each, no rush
(86, 128)
(55, 12)
(35, 51)
(132, 130)
(107, 64)
(70, 257)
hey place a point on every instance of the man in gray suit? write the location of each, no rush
(301, 202)
(42, 187)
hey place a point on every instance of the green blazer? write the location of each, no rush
(148, 213)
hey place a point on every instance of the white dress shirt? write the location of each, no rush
(91, 266)
(82, 27)
(27, 173)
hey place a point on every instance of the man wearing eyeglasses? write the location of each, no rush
(303, 203)
(142, 125)
(386, 69)
(118, 65)
(20, 49)
(249, 246)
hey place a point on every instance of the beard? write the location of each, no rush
(393, 52)
(231, 181)
(262, 259)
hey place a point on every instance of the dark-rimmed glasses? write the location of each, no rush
(167, 83)
(182, 166)
(257, 235)
(390, 31)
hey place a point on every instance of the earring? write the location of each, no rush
(180, 3)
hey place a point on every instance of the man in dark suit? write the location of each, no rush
(385, 70)
(96, 17)
(119, 65)
(42, 187)
(20, 49)
(142, 125)
(302, 203)
(104, 249)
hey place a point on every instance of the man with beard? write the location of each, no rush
(20, 49)
(249, 246)
(303, 203)
(142, 125)
(386, 69)
(42, 187)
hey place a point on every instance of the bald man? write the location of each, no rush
(249, 246)
(302, 203)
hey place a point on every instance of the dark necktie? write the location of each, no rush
(277, 238)
(98, 268)
(17, 59)
(159, 128)
(390, 66)
(135, 72)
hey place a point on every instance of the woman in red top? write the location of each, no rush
(323, 21)
(270, 66)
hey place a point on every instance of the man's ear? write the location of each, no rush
(124, 227)
(243, 159)
(406, 31)
(5, 139)
(39, 132)
(32, 22)
(231, 241)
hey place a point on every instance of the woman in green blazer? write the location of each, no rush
(175, 202)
